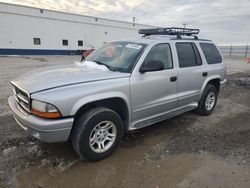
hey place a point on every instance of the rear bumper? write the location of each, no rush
(44, 129)
(223, 83)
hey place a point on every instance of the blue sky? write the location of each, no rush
(224, 21)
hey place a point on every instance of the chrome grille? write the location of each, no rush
(22, 97)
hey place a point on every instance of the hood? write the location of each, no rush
(57, 76)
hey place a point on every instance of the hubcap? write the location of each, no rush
(210, 101)
(102, 136)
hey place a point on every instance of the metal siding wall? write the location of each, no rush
(17, 31)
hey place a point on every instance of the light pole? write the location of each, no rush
(184, 25)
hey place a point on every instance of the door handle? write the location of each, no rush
(204, 74)
(173, 78)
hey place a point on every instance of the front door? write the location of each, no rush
(154, 93)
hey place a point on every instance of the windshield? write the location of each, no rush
(118, 56)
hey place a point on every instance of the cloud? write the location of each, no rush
(224, 21)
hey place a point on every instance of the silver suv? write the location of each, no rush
(124, 85)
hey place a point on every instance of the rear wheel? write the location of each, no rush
(208, 101)
(97, 133)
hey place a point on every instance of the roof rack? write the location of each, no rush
(178, 31)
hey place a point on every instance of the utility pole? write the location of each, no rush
(133, 21)
(184, 25)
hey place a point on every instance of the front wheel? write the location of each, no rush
(97, 133)
(208, 101)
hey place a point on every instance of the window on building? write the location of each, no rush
(80, 43)
(65, 42)
(188, 54)
(36, 41)
(211, 53)
(160, 52)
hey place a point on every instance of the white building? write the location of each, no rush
(28, 30)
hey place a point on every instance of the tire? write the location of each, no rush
(203, 108)
(92, 126)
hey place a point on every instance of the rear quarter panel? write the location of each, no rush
(215, 71)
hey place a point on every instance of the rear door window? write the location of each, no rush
(211, 53)
(188, 54)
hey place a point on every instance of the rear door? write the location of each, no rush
(191, 73)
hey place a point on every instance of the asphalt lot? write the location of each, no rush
(185, 151)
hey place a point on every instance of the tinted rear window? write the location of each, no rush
(211, 53)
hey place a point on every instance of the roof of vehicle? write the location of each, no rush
(162, 38)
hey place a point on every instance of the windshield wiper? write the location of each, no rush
(101, 63)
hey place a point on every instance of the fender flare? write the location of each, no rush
(207, 80)
(96, 97)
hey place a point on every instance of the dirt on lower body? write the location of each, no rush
(186, 151)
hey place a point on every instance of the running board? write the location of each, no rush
(163, 116)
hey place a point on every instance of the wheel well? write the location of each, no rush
(116, 104)
(216, 83)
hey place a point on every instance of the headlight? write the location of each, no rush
(44, 110)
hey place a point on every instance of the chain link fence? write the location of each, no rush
(239, 51)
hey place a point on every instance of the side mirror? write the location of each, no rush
(151, 66)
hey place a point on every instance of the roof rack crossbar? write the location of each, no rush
(178, 31)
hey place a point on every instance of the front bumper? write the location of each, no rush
(45, 130)
(223, 83)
